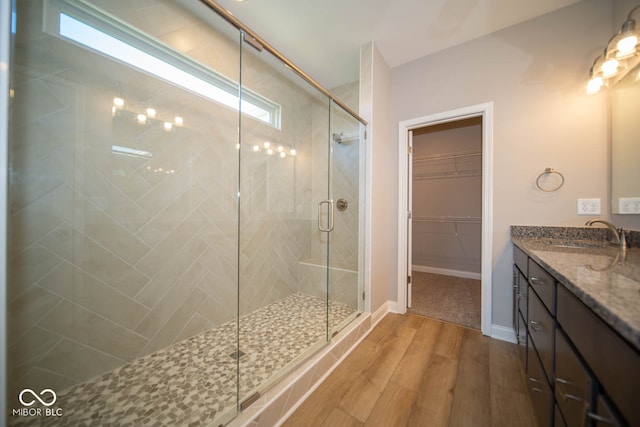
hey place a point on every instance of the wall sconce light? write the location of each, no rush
(620, 49)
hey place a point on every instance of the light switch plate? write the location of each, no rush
(588, 206)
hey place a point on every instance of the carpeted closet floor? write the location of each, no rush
(448, 298)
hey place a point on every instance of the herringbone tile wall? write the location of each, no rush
(114, 257)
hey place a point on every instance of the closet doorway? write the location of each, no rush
(446, 233)
(445, 178)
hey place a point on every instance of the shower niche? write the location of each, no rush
(175, 247)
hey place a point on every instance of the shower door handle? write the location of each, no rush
(330, 213)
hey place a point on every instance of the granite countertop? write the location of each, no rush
(600, 275)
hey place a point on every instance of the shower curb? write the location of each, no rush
(276, 404)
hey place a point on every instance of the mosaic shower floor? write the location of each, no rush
(194, 381)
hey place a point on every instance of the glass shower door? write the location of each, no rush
(345, 297)
(283, 179)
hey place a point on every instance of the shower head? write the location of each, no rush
(341, 138)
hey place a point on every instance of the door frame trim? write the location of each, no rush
(486, 112)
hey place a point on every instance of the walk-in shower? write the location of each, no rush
(173, 244)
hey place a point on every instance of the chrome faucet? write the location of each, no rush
(618, 233)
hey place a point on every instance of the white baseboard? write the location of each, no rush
(394, 307)
(447, 272)
(382, 311)
(503, 333)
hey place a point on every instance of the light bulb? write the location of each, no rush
(168, 126)
(118, 102)
(283, 154)
(610, 67)
(269, 151)
(142, 119)
(292, 152)
(280, 148)
(266, 144)
(627, 45)
(256, 148)
(151, 112)
(179, 121)
(594, 85)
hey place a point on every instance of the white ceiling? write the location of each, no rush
(323, 37)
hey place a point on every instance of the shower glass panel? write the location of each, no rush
(344, 261)
(283, 180)
(122, 284)
(185, 214)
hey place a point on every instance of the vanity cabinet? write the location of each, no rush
(520, 309)
(580, 372)
(613, 361)
(541, 328)
(540, 389)
(573, 382)
(523, 339)
(558, 420)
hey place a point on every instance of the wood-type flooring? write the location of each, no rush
(415, 371)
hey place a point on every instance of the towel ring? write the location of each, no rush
(549, 171)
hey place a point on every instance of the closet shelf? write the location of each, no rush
(447, 174)
(448, 156)
(449, 219)
(452, 165)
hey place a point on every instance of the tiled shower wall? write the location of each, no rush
(114, 257)
(341, 245)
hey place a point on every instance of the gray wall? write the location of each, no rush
(381, 249)
(535, 73)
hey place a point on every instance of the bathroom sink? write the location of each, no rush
(580, 244)
(572, 245)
